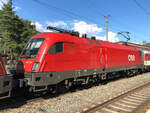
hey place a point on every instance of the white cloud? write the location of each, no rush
(111, 37)
(17, 8)
(38, 26)
(93, 30)
(1, 3)
(41, 28)
(57, 23)
(83, 27)
(46, 30)
(5, 1)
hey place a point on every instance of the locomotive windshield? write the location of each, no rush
(32, 47)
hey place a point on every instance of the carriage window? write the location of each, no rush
(58, 47)
(146, 57)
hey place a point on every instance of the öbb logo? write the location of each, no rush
(131, 57)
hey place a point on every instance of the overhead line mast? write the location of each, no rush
(107, 26)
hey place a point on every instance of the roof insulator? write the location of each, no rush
(93, 37)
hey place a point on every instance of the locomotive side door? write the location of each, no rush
(103, 58)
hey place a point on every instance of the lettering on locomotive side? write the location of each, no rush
(131, 57)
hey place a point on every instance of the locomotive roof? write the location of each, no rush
(134, 45)
(81, 40)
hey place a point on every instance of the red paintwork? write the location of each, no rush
(80, 53)
(2, 67)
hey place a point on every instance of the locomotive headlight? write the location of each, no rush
(35, 66)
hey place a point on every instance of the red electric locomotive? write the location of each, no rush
(49, 59)
(5, 81)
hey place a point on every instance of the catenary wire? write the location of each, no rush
(141, 7)
(64, 11)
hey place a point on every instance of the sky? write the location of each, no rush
(89, 16)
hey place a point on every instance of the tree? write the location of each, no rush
(14, 31)
(27, 31)
(8, 22)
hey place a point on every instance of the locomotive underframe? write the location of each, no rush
(40, 81)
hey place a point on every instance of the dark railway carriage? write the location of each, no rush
(5, 81)
(51, 58)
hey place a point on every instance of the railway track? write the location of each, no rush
(126, 102)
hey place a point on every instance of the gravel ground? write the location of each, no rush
(77, 101)
(144, 108)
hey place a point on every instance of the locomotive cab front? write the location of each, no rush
(38, 59)
(30, 59)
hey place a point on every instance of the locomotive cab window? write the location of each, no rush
(58, 47)
(32, 47)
